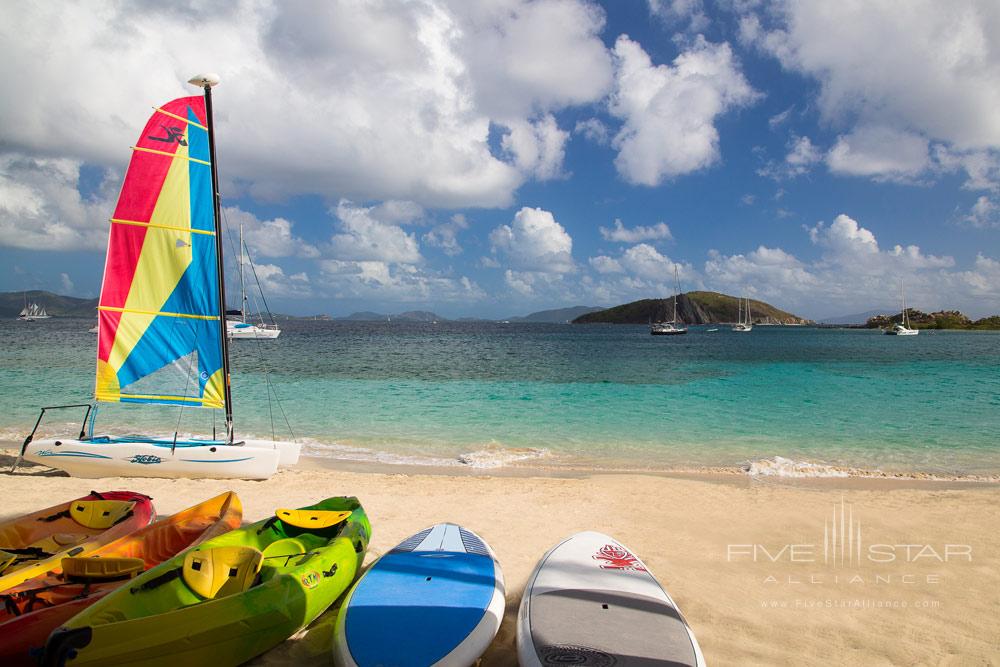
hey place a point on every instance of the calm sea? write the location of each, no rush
(559, 395)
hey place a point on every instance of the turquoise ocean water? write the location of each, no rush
(598, 396)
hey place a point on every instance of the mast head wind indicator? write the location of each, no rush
(206, 80)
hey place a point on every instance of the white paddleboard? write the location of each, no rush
(592, 602)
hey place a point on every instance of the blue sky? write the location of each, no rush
(495, 158)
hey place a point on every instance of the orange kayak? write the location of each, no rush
(33, 544)
(31, 610)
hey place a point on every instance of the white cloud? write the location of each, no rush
(392, 100)
(593, 130)
(65, 283)
(802, 155)
(605, 264)
(522, 57)
(644, 261)
(939, 81)
(364, 238)
(445, 235)
(984, 213)
(881, 152)
(395, 282)
(41, 207)
(538, 148)
(622, 234)
(669, 111)
(853, 273)
(275, 283)
(691, 12)
(267, 238)
(534, 241)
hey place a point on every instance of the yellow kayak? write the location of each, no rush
(33, 544)
(226, 600)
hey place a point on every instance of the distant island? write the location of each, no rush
(557, 315)
(942, 319)
(55, 305)
(692, 308)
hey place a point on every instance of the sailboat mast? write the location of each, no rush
(677, 290)
(207, 83)
(243, 285)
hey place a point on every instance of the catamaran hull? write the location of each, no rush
(83, 458)
(252, 332)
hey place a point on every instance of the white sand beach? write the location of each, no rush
(743, 558)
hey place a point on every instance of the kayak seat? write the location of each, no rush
(311, 519)
(222, 571)
(102, 569)
(99, 514)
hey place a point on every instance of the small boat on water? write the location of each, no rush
(670, 328)
(162, 335)
(901, 328)
(32, 311)
(743, 325)
(237, 326)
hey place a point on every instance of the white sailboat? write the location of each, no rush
(240, 328)
(162, 329)
(32, 311)
(743, 326)
(670, 328)
(903, 327)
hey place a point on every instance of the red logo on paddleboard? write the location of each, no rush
(617, 557)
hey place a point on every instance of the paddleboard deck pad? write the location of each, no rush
(592, 602)
(437, 598)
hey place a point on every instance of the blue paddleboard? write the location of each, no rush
(437, 598)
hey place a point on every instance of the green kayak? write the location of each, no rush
(227, 600)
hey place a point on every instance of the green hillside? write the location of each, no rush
(55, 305)
(692, 308)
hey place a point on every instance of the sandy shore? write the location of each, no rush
(744, 558)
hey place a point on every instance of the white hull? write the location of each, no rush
(254, 459)
(238, 330)
(898, 331)
(743, 328)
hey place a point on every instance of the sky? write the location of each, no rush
(496, 157)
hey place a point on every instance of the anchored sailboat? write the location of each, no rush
(670, 328)
(162, 328)
(903, 327)
(240, 328)
(743, 326)
(32, 311)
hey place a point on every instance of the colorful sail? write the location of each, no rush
(159, 338)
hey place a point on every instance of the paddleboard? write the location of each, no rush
(437, 598)
(591, 601)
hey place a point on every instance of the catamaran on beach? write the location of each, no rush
(162, 335)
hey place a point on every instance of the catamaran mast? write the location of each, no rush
(243, 285)
(206, 81)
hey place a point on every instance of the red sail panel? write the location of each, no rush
(136, 202)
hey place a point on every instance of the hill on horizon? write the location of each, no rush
(55, 305)
(557, 315)
(692, 308)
